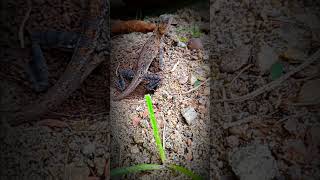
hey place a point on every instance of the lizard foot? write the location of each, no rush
(124, 74)
(154, 81)
(37, 70)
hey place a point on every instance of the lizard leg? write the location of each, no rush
(37, 69)
(124, 74)
(154, 81)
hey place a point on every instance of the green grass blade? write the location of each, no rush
(185, 171)
(135, 169)
(155, 128)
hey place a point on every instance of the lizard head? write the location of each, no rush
(165, 21)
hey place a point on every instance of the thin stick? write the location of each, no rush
(305, 103)
(21, 29)
(175, 66)
(275, 83)
(240, 122)
(163, 132)
(195, 88)
(244, 69)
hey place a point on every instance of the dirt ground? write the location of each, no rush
(274, 132)
(76, 135)
(185, 144)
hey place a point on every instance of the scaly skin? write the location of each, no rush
(148, 52)
(88, 54)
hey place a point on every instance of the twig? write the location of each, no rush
(117, 69)
(163, 132)
(305, 103)
(21, 29)
(175, 66)
(195, 88)
(238, 123)
(244, 69)
(279, 100)
(275, 83)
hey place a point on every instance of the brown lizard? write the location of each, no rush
(148, 52)
(90, 51)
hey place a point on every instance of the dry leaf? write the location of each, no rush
(120, 27)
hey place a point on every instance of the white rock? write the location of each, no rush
(181, 44)
(253, 162)
(266, 58)
(193, 79)
(189, 114)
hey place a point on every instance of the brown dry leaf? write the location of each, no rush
(121, 27)
(53, 123)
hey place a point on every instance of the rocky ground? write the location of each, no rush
(182, 114)
(274, 133)
(66, 143)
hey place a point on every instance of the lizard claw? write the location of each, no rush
(121, 84)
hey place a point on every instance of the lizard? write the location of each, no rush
(37, 68)
(92, 47)
(147, 54)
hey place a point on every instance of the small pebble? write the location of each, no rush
(195, 43)
(181, 44)
(189, 114)
(193, 79)
(135, 149)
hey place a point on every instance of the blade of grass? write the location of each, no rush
(155, 128)
(135, 169)
(185, 171)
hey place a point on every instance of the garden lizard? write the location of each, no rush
(148, 52)
(91, 49)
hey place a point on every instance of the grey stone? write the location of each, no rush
(181, 44)
(189, 114)
(266, 58)
(253, 162)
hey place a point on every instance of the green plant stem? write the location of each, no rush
(155, 128)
